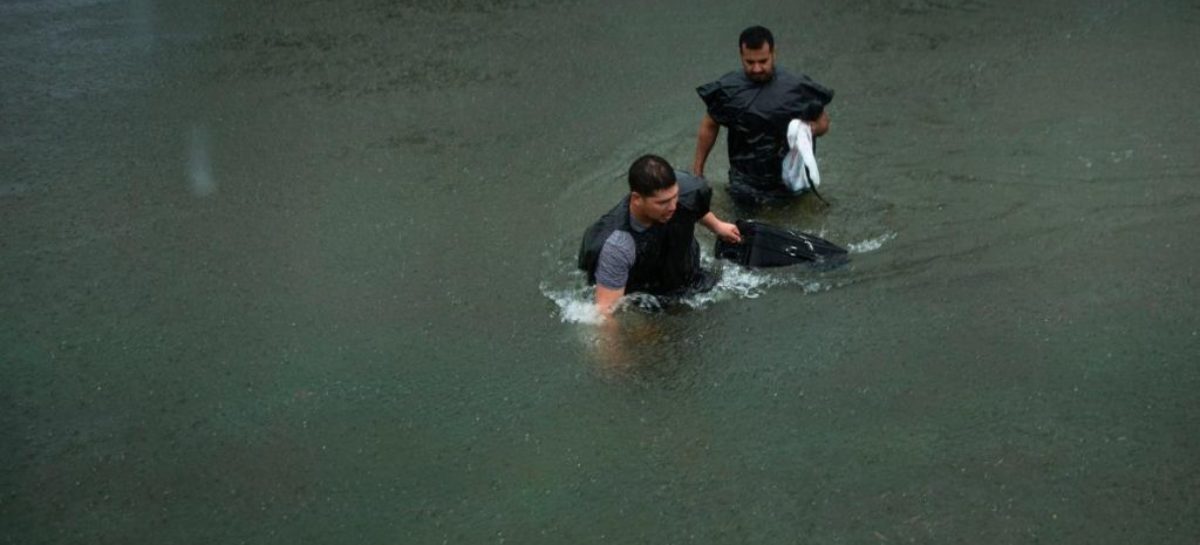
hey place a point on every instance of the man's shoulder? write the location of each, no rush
(599, 231)
(802, 83)
(694, 193)
(725, 97)
(619, 250)
(734, 79)
(689, 182)
(788, 78)
(734, 76)
(738, 79)
(620, 238)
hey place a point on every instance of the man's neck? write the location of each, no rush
(638, 221)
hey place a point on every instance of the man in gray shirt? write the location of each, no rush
(647, 242)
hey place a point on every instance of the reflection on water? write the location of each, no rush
(199, 166)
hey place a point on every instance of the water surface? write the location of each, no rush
(302, 272)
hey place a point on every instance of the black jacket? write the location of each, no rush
(757, 116)
(668, 257)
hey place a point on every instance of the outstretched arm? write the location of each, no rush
(723, 229)
(705, 138)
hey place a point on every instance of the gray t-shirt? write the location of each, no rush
(617, 257)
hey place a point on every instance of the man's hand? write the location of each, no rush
(727, 232)
(820, 125)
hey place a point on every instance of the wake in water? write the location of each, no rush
(575, 305)
(871, 244)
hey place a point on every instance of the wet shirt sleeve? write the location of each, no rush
(804, 98)
(716, 99)
(616, 260)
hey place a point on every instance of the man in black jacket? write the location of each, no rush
(647, 242)
(756, 104)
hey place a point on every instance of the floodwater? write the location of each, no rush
(301, 272)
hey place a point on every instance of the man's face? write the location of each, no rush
(759, 64)
(658, 207)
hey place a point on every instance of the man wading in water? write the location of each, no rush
(647, 242)
(756, 104)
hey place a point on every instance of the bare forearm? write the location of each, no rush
(724, 230)
(606, 300)
(705, 138)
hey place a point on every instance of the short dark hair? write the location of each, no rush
(650, 174)
(754, 37)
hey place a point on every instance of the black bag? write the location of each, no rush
(769, 246)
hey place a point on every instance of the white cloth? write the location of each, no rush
(800, 171)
